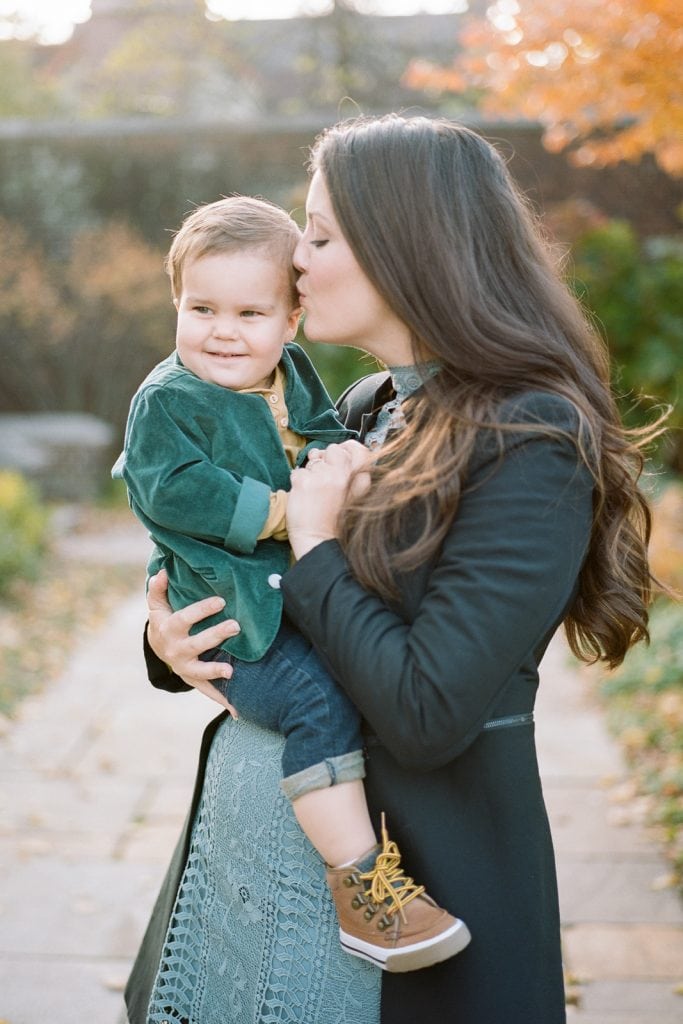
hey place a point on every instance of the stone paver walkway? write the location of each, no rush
(622, 927)
(95, 779)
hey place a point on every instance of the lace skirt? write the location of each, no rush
(254, 937)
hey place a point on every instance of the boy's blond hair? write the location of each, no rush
(231, 225)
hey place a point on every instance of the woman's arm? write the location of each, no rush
(506, 571)
(172, 655)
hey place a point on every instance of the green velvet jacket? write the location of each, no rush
(200, 463)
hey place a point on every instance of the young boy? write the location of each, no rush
(212, 435)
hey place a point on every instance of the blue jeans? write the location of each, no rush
(289, 691)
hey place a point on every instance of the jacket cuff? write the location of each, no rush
(251, 511)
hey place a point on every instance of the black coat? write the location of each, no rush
(459, 650)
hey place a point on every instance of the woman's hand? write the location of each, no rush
(319, 491)
(169, 637)
(348, 453)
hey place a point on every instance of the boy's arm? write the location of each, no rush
(174, 485)
(275, 525)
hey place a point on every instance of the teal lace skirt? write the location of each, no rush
(254, 938)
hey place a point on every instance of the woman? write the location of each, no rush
(503, 503)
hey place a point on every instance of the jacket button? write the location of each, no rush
(274, 580)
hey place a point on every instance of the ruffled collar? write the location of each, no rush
(407, 379)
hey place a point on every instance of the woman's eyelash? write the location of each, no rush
(319, 242)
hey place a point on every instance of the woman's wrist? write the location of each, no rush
(302, 543)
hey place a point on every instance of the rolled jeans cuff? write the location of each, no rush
(330, 772)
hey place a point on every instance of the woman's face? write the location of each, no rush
(341, 306)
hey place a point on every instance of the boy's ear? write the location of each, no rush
(293, 322)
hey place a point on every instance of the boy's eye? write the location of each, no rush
(250, 312)
(201, 309)
(319, 242)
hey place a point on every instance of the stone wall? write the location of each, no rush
(67, 455)
(56, 177)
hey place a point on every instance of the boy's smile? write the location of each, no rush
(234, 316)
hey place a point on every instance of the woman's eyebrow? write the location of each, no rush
(316, 215)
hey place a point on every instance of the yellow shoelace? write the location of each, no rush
(387, 879)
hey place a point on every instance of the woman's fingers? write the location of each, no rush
(157, 592)
(335, 454)
(211, 691)
(194, 613)
(359, 485)
(179, 623)
(352, 452)
(346, 458)
(170, 637)
(212, 636)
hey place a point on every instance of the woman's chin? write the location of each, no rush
(322, 337)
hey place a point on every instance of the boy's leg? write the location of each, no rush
(337, 821)
(290, 692)
(384, 916)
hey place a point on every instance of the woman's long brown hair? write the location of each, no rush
(437, 225)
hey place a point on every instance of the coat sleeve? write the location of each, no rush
(504, 576)
(174, 484)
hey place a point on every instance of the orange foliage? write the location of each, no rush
(603, 75)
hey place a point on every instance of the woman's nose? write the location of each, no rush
(299, 258)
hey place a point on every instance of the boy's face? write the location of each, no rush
(234, 316)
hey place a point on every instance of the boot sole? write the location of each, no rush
(410, 958)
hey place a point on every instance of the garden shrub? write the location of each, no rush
(80, 332)
(644, 697)
(658, 666)
(644, 702)
(634, 290)
(23, 529)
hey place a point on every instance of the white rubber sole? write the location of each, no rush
(410, 958)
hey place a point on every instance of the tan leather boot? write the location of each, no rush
(384, 917)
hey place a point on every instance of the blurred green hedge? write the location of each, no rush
(23, 530)
(634, 289)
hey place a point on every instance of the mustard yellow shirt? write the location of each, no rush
(274, 397)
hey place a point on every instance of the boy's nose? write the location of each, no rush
(225, 327)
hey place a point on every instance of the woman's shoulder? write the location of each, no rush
(541, 408)
(363, 397)
(530, 416)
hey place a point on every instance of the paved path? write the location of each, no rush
(95, 778)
